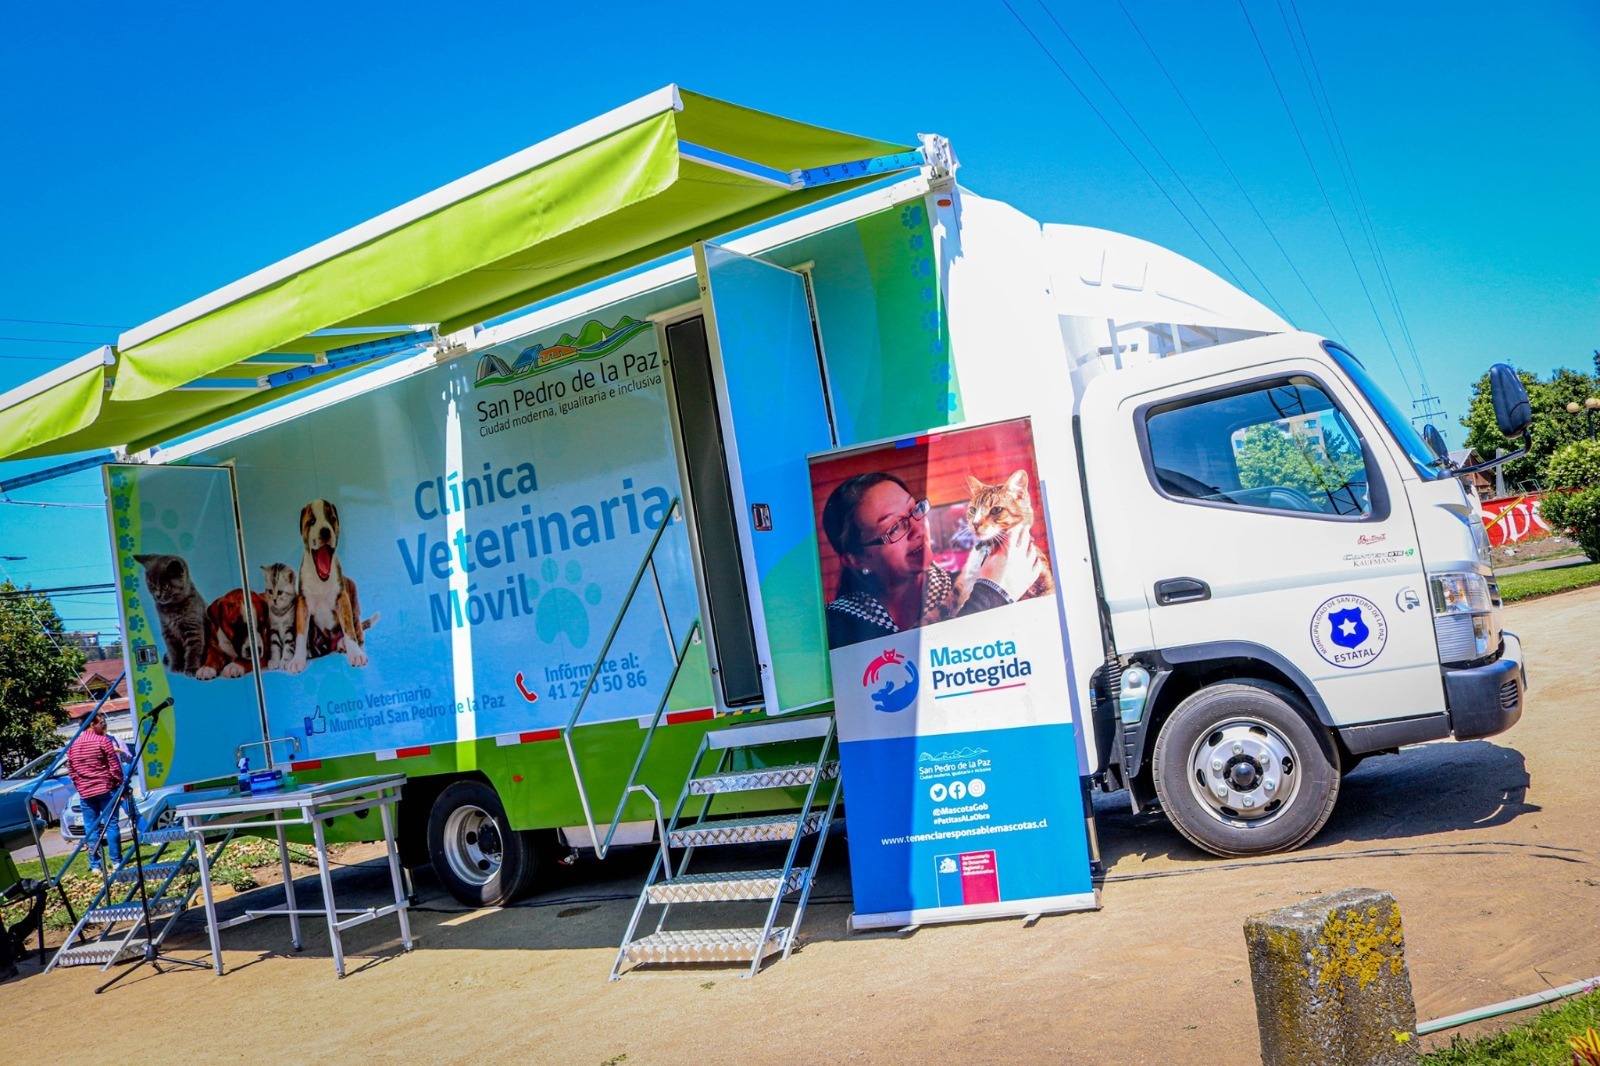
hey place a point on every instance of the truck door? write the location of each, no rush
(1260, 514)
(748, 387)
(191, 623)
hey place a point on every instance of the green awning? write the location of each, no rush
(640, 182)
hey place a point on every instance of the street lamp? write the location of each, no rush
(1588, 407)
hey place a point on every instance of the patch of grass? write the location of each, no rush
(1544, 1041)
(1530, 583)
(233, 869)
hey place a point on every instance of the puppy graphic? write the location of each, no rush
(327, 612)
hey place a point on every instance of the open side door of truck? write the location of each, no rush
(195, 631)
(749, 391)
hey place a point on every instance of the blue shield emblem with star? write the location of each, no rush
(1349, 631)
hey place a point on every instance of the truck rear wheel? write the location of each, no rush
(477, 856)
(1244, 769)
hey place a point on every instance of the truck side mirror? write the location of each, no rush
(1512, 410)
(1435, 441)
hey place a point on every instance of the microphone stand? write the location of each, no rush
(151, 955)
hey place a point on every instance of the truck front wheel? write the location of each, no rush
(477, 856)
(1244, 769)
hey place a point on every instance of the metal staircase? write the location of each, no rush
(118, 913)
(789, 883)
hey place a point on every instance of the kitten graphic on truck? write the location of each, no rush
(620, 475)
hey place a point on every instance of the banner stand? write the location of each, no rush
(958, 747)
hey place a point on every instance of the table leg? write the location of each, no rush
(211, 904)
(400, 901)
(288, 888)
(327, 896)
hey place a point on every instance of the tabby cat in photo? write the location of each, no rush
(182, 613)
(993, 512)
(282, 589)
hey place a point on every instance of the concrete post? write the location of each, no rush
(1331, 983)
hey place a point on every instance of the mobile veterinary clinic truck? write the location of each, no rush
(1262, 573)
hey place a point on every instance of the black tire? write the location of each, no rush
(1277, 768)
(477, 857)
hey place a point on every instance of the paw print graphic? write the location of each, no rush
(912, 216)
(162, 532)
(125, 542)
(560, 611)
(157, 769)
(124, 522)
(130, 583)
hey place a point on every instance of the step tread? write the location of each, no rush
(129, 912)
(762, 778)
(706, 945)
(154, 870)
(769, 731)
(760, 828)
(724, 887)
(164, 836)
(88, 954)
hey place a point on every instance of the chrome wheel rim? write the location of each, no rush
(472, 845)
(1244, 773)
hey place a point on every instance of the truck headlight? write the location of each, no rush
(1463, 619)
(1460, 594)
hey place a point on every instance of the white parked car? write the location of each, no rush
(156, 811)
(51, 798)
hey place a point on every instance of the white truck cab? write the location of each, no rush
(1291, 580)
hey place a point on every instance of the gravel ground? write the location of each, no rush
(1489, 846)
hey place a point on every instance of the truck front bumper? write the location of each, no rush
(1485, 700)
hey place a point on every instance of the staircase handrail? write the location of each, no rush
(602, 847)
(38, 841)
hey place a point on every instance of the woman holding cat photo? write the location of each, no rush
(889, 584)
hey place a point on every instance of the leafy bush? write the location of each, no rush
(1574, 465)
(1578, 511)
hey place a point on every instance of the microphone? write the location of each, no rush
(158, 708)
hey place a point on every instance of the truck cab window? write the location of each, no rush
(1279, 446)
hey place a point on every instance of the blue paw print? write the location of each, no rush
(560, 611)
(143, 686)
(125, 542)
(911, 216)
(157, 769)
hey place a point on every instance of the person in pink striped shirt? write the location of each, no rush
(94, 763)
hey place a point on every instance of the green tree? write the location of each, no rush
(1270, 454)
(1552, 425)
(1575, 466)
(37, 670)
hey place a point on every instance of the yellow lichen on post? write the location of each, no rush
(1330, 981)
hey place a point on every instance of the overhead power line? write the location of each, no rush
(46, 340)
(1154, 55)
(56, 322)
(1353, 185)
(1326, 199)
(1223, 263)
(1159, 154)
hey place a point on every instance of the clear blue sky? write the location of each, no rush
(155, 152)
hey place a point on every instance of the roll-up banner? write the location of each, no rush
(950, 679)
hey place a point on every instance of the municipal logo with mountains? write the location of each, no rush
(594, 340)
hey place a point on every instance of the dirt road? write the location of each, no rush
(1489, 846)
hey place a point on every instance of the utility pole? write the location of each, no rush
(1428, 409)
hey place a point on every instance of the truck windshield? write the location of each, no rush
(1400, 428)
